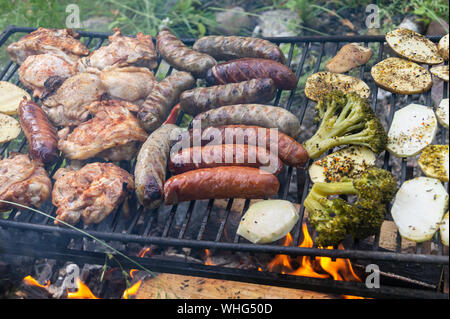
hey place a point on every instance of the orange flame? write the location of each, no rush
(144, 252)
(320, 267)
(208, 260)
(33, 282)
(132, 290)
(83, 291)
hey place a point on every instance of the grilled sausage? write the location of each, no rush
(205, 98)
(224, 155)
(162, 98)
(251, 68)
(220, 182)
(289, 150)
(235, 47)
(39, 132)
(250, 114)
(151, 165)
(182, 58)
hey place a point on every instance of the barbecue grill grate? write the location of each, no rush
(187, 225)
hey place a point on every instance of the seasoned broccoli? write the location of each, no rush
(334, 218)
(345, 119)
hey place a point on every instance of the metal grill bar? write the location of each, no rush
(138, 228)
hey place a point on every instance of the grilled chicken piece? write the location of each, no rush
(132, 84)
(37, 69)
(66, 107)
(122, 51)
(63, 43)
(113, 126)
(90, 193)
(23, 181)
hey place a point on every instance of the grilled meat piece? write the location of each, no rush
(66, 107)
(112, 126)
(37, 69)
(122, 51)
(63, 43)
(90, 193)
(23, 181)
(132, 84)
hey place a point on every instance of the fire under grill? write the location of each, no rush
(407, 270)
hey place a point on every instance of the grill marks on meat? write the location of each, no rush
(23, 181)
(91, 193)
(62, 43)
(122, 51)
(112, 126)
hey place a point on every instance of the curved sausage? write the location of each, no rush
(220, 182)
(235, 47)
(251, 68)
(39, 132)
(182, 58)
(151, 165)
(224, 155)
(205, 98)
(250, 114)
(164, 95)
(291, 152)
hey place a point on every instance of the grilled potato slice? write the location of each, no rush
(443, 47)
(440, 71)
(412, 129)
(346, 162)
(10, 97)
(9, 128)
(442, 113)
(413, 46)
(349, 56)
(322, 82)
(434, 162)
(401, 76)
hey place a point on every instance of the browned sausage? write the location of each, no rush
(250, 114)
(151, 165)
(220, 182)
(290, 151)
(182, 58)
(205, 98)
(40, 134)
(224, 155)
(164, 95)
(250, 68)
(235, 47)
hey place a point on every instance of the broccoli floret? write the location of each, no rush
(345, 119)
(334, 218)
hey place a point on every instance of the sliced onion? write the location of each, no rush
(418, 208)
(267, 221)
